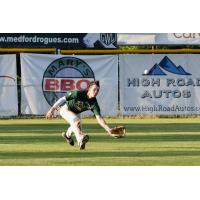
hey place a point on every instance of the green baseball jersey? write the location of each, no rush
(77, 102)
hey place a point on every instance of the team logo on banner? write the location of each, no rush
(108, 38)
(65, 74)
(165, 65)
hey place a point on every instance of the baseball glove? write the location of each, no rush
(118, 131)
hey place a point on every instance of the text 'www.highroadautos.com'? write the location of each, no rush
(161, 108)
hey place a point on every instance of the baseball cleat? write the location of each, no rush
(83, 142)
(68, 139)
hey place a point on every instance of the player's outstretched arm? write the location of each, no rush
(50, 113)
(116, 132)
(103, 124)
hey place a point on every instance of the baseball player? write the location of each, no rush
(75, 102)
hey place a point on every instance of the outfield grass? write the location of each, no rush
(149, 142)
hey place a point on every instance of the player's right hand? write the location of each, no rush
(49, 115)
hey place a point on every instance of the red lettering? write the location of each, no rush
(63, 84)
(82, 84)
(67, 85)
(51, 84)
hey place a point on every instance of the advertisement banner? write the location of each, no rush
(59, 40)
(158, 38)
(8, 86)
(45, 78)
(158, 84)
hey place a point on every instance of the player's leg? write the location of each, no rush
(81, 138)
(70, 129)
(75, 124)
(77, 131)
(67, 135)
(69, 132)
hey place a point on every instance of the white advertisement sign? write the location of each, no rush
(8, 86)
(45, 78)
(158, 84)
(158, 38)
(135, 38)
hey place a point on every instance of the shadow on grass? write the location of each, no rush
(44, 133)
(85, 154)
(29, 139)
(95, 128)
(131, 138)
(100, 138)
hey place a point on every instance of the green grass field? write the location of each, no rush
(149, 142)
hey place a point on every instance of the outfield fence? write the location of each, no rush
(133, 82)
